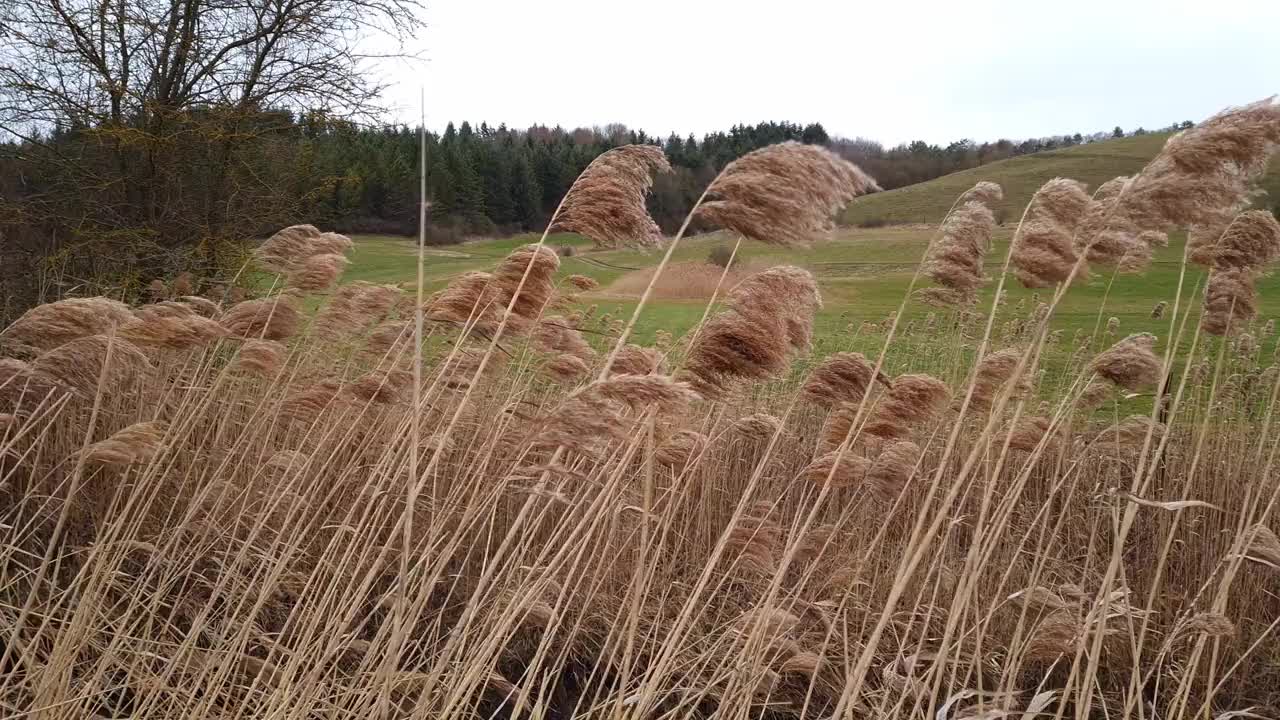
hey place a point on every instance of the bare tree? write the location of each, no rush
(151, 121)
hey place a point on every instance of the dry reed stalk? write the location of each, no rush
(47, 326)
(1131, 363)
(137, 443)
(266, 319)
(607, 201)
(1230, 300)
(784, 194)
(1043, 252)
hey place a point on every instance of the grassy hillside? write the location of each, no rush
(1093, 164)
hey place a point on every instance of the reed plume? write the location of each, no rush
(582, 282)
(1203, 176)
(607, 201)
(892, 469)
(317, 273)
(1251, 241)
(382, 387)
(567, 368)
(553, 334)
(290, 247)
(266, 318)
(137, 443)
(1131, 363)
(1230, 300)
(306, 405)
(992, 374)
(1043, 252)
(539, 287)
(984, 192)
(80, 364)
(471, 299)
(845, 469)
(681, 449)
(263, 358)
(784, 194)
(171, 331)
(636, 360)
(786, 292)
(47, 326)
(911, 402)
(840, 378)
(955, 259)
(757, 426)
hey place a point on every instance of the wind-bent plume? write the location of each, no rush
(567, 368)
(81, 363)
(553, 334)
(892, 469)
(318, 272)
(636, 360)
(769, 314)
(266, 318)
(1230, 300)
(847, 471)
(682, 448)
(285, 251)
(134, 444)
(784, 194)
(910, 403)
(47, 326)
(757, 426)
(1043, 251)
(1251, 241)
(157, 328)
(582, 282)
(1131, 363)
(1107, 237)
(955, 260)
(259, 357)
(356, 306)
(985, 192)
(607, 202)
(473, 298)
(641, 391)
(784, 291)
(841, 377)
(993, 372)
(539, 287)
(1203, 176)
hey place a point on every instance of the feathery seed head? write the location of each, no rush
(1131, 363)
(607, 202)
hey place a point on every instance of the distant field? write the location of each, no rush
(1092, 164)
(863, 275)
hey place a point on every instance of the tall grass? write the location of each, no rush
(461, 506)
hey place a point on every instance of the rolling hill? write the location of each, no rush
(1092, 164)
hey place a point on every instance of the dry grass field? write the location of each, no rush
(951, 489)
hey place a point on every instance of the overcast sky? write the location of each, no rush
(890, 70)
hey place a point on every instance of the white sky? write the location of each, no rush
(889, 70)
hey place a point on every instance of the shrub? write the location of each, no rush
(721, 256)
(874, 221)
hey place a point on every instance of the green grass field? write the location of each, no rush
(1093, 164)
(863, 275)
